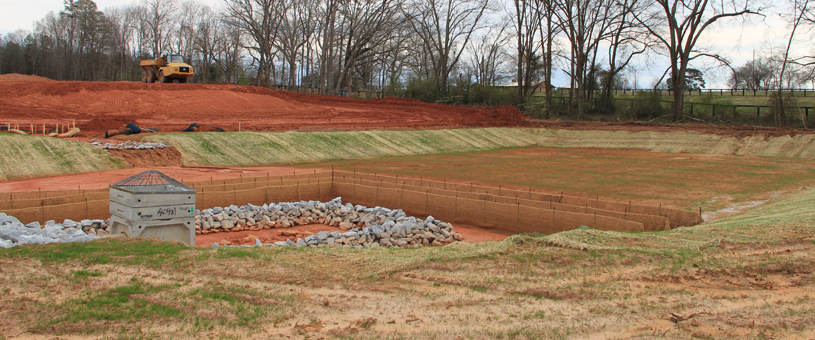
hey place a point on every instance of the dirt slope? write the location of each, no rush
(99, 106)
(22, 77)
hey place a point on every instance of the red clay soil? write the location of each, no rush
(21, 77)
(100, 106)
(248, 237)
(150, 157)
(102, 179)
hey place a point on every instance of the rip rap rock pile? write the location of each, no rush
(14, 233)
(361, 226)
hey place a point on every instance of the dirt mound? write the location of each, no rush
(149, 157)
(21, 77)
(99, 106)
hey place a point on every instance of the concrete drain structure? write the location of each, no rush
(153, 205)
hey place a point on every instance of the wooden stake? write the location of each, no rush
(43, 129)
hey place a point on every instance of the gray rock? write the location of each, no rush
(81, 238)
(6, 244)
(291, 243)
(35, 239)
(227, 224)
(215, 245)
(322, 235)
(5, 219)
(34, 225)
(301, 243)
(257, 243)
(69, 223)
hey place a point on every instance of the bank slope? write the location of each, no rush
(32, 156)
(267, 148)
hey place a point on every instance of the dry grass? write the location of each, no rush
(686, 181)
(266, 148)
(32, 156)
(747, 276)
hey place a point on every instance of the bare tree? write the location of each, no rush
(158, 16)
(547, 35)
(627, 39)
(677, 26)
(207, 31)
(526, 25)
(227, 53)
(184, 31)
(367, 25)
(123, 23)
(757, 74)
(445, 28)
(487, 55)
(800, 9)
(585, 23)
(259, 19)
(297, 28)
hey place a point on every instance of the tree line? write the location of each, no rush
(434, 50)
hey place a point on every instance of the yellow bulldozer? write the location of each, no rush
(167, 69)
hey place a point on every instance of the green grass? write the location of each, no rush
(116, 304)
(49, 156)
(86, 274)
(136, 251)
(265, 148)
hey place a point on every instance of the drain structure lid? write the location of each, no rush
(152, 182)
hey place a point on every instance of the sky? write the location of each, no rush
(21, 14)
(735, 41)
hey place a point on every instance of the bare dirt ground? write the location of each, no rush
(685, 181)
(100, 106)
(97, 107)
(21, 77)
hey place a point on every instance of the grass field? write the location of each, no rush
(33, 156)
(41, 157)
(264, 148)
(682, 180)
(747, 276)
(270, 148)
(744, 277)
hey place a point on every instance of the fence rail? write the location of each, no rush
(723, 92)
(378, 93)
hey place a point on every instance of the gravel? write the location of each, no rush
(361, 226)
(14, 233)
(128, 145)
